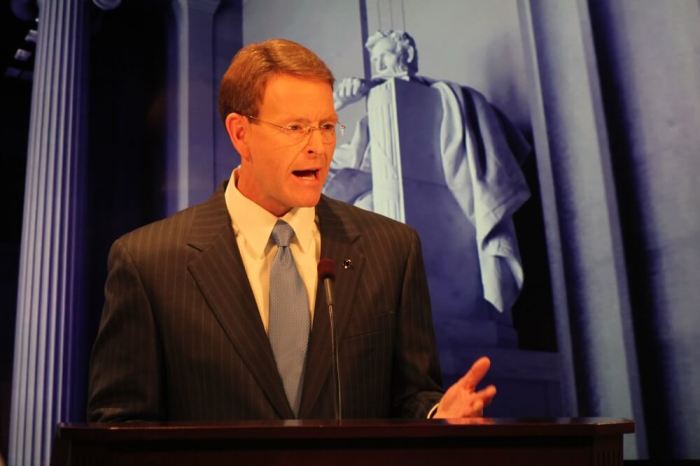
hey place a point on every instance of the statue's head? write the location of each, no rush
(393, 54)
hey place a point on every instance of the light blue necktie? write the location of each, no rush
(289, 315)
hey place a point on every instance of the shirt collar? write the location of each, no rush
(255, 223)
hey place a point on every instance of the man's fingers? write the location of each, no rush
(462, 399)
(487, 394)
(477, 372)
(478, 408)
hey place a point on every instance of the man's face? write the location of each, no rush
(385, 61)
(279, 172)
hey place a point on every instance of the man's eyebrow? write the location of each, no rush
(292, 119)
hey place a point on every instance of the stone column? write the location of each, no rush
(191, 170)
(50, 304)
(651, 64)
(582, 222)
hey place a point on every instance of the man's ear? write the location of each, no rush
(238, 129)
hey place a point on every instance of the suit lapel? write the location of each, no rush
(219, 272)
(340, 242)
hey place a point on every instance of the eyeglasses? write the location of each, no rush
(298, 132)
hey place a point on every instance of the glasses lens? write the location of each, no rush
(328, 132)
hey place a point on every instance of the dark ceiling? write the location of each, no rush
(17, 44)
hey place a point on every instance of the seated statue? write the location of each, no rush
(480, 154)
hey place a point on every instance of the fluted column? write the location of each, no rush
(49, 304)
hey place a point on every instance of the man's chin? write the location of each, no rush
(312, 202)
(303, 194)
(309, 200)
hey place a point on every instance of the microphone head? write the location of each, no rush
(326, 269)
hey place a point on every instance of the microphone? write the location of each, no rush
(326, 273)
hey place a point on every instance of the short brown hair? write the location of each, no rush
(243, 84)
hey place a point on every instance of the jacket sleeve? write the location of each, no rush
(417, 380)
(126, 375)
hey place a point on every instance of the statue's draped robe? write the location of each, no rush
(480, 154)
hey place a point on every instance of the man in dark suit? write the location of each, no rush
(196, 319)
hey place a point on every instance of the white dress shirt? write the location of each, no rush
(252, 226)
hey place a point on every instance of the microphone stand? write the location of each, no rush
(326, 272)
(334, 351)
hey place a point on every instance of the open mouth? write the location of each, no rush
(306, 174)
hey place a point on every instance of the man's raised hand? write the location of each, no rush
(463, 399)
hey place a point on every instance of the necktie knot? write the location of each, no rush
(282, 233)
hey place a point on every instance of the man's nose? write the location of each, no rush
(315, 143)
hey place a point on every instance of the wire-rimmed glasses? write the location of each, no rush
(329, 130)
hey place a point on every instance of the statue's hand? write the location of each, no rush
(349, 90)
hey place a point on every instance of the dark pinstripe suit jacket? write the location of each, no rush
(181, 337)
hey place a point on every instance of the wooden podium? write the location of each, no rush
(478, 441)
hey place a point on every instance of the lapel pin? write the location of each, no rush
(347, 264)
